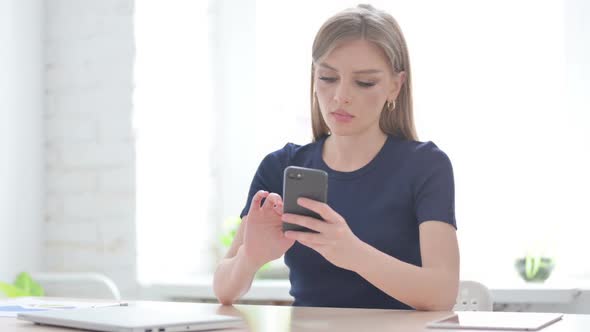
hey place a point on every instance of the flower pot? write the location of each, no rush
(534, 269)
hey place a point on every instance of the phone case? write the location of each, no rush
(303, 182)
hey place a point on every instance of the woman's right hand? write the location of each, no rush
(263, 237)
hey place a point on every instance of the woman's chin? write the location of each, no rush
(334, 130)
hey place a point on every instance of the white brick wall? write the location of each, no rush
(90, 159)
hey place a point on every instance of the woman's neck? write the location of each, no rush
(350, 153)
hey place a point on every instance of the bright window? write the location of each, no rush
(174, 128)
(495, 87)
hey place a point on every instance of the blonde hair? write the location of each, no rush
(367, 23)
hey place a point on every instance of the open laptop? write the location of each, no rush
(135, 319)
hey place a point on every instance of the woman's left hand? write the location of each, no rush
(334, 240)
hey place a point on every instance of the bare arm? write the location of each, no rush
(235, 272)
(259, 240)
(433, 286)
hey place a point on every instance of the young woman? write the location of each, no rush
(388, 239)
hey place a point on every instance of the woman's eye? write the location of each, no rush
(328, 79)
(365, 84)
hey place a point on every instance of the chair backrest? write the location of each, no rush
(473, 296)
(78, 285)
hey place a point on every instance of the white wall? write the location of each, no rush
(90, 159)
(21, 133)
(234, 100)
(577, 111)
(577, 50)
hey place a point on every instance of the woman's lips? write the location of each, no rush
(342, 116)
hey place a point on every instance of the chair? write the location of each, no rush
(77, 284)
(473, 296)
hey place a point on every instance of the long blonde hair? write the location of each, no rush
(367, 23)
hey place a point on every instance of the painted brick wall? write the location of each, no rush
(90, 162)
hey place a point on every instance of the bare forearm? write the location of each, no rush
(418, 287)
(233, 277)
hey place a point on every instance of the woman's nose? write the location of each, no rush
(342, 95)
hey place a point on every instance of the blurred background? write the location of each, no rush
(130, 132)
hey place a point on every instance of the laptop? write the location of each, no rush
(135, 319)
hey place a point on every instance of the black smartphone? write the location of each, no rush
(303, 182)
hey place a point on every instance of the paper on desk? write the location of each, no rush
(11, 307)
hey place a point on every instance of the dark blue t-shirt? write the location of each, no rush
(384, 202)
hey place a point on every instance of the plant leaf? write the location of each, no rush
(11, 290)
(36, 289)
(231, 225)
(528, 267)
(226, 240)
(25, 282)
(536, 265)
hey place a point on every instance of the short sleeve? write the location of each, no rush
(434, 192)
(269, 175)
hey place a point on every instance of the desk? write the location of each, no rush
(299, 319)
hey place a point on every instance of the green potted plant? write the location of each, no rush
(23, 285)
(534, 267)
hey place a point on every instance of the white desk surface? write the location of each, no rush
(298, 319)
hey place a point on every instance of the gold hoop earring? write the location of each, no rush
(391, 105)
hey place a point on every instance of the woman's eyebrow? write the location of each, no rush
(327, 66)
(367, 71)
(364, 71)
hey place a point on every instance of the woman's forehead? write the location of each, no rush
(358, 56)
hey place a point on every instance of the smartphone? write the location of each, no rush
(303, 182)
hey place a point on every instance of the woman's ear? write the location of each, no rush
(398, 81)
(402, 76)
